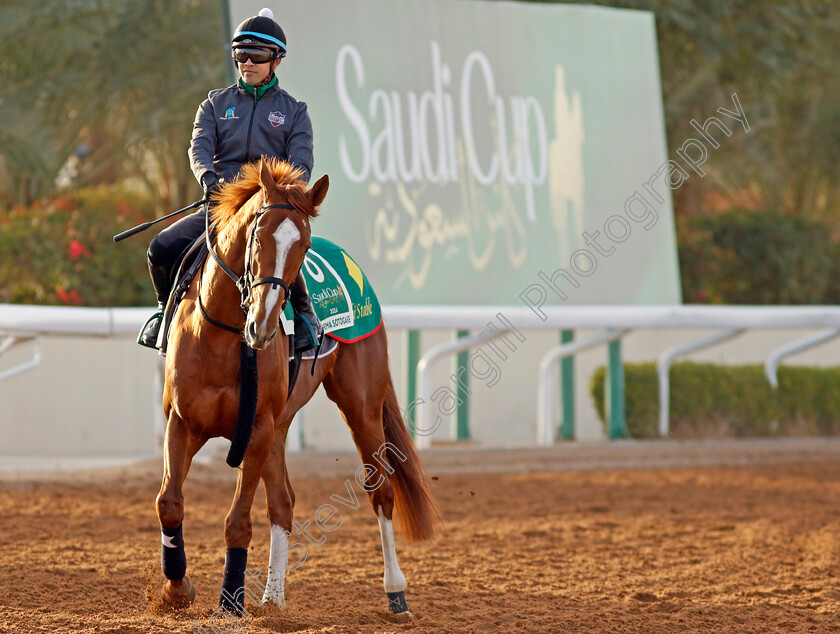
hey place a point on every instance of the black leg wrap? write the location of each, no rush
(173, 559)
(232, 597)
(396, 602)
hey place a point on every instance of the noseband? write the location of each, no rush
(246, 282)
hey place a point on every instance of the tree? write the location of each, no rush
(110, 86)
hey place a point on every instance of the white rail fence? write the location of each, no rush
(25, 325)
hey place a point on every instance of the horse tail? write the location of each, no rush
(416, 514)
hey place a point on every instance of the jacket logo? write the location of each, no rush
(230, 113)
(276, 118)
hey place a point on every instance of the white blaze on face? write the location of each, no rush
(284, 237)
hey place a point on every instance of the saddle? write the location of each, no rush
(190, 262)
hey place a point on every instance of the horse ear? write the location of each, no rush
(318, 191)
(266, 179)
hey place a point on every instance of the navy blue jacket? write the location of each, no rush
(233, 127)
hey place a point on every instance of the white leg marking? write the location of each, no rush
(394, 578)
(284, 236)
(277, 560)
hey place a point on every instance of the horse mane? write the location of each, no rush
(231, 211)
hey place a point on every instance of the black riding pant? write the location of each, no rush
(175, 239)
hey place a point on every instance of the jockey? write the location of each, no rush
(233, 126)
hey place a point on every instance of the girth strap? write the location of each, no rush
(248, 393)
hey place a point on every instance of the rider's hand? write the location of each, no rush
(210, 183)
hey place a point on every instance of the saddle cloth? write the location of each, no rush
(341, 295)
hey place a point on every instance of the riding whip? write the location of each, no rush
(130, 232)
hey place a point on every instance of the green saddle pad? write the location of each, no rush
(341, 294)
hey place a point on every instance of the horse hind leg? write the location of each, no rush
(393, 578)
(394, 476)
(370, 441)
(413, 502)
(180, 447)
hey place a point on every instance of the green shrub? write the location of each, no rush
(743, 257)
(638, 404)
(62, 251)
(736, 401)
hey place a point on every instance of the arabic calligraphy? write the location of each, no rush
(409, 232)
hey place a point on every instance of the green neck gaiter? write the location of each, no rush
(260, 89)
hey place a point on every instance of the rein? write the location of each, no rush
(246, 282)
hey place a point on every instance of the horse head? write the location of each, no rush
(278, 241)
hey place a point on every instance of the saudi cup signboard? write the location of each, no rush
(476, 148)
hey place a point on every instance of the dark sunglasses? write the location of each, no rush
(257, 55)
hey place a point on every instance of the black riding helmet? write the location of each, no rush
(260, 30)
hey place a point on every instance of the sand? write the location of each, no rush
(625, 537)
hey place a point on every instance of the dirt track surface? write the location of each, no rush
(630, 537)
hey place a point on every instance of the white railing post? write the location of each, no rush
(771, 366)
(663, 369)
(9, 341)
(424, 411)
(545, 398)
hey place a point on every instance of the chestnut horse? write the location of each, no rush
(262, 235)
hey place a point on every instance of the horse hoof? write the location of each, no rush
(402, 617)
(178, 594)
(274, 599)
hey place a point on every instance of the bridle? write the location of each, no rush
(246, 282)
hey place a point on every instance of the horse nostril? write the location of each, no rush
(252, 330)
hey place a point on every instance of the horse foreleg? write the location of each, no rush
(280, 500)
(180, 447)
(238, 520)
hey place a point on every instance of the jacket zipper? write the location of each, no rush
(250, 125)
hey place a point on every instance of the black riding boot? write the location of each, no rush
(163, 285)
(308, 329)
